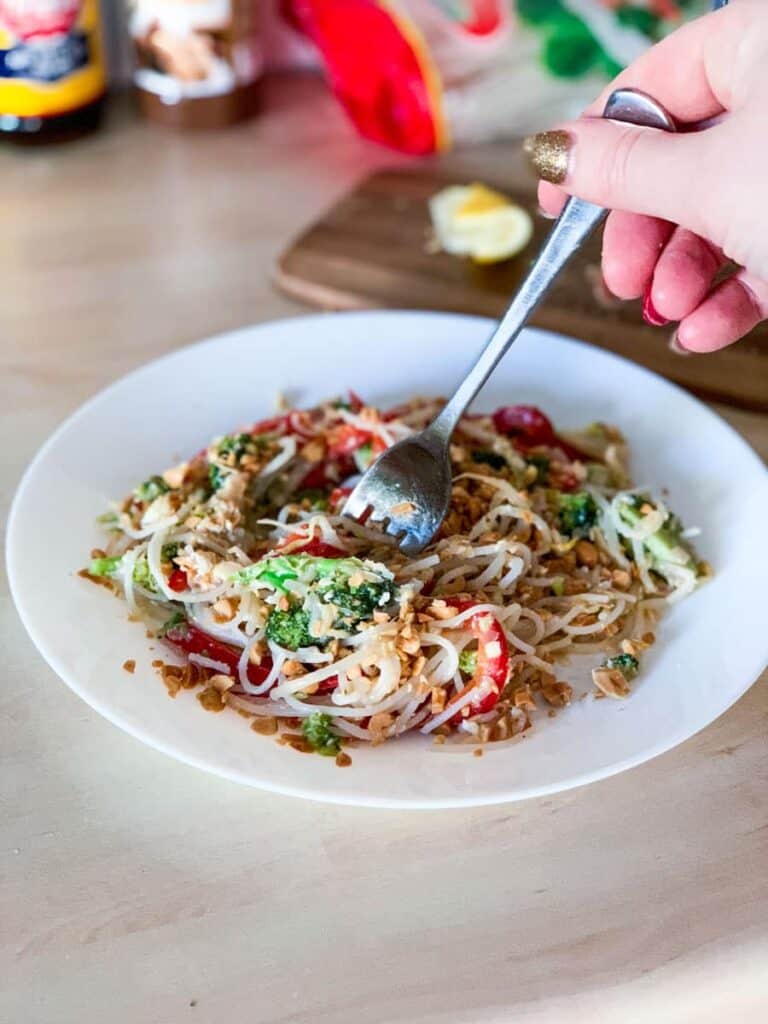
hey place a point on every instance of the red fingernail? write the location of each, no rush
(650, 314)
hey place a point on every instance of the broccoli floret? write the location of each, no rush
(290, 629)
(577, 513)
(359, 603)
(541, 465)
(329, 578)
(666, 544)
(316, 496)
(627, 664)
(317, 729)
(142, 575)
(103, 566)
(169, 552)
(151, 489)
(363, 456)
(215, 477)
(488, 458)
(110, 520)
(280, 569)
(235, 444)
(468, 662)
(175, 620)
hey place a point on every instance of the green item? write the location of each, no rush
(235, 444)
(666, 545)
(574, 44)
(577, 513)
(358, 604)
(316, 496)
(104, 566)
(290, 629)
(175, 620)
(541, 465)
(488, 458)
(468, 662)
(317, 729)
(215, 477)
(169, 551)
(143, 576)
(627, 664)
(151, 489)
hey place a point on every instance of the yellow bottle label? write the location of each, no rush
(51, 56)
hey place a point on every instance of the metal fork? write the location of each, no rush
(407, 490)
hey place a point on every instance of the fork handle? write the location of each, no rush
(572, 228)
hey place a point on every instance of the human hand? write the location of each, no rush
(683, 204)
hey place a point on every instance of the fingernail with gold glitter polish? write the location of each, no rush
(549, 153)
(676, 347)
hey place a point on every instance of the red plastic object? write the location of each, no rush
(379, 67)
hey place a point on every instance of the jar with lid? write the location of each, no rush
(197, 61)
(52, 74)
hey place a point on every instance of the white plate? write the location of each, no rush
(712, 646)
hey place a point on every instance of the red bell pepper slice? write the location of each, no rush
(300, 422)
(337, 497)
(493, 664)
(346, 439)
(312, 546)
(272, 425)
(190, 640)
(529, 427)
(178, 581)
(316, 478)
(328, 473)
(355, 401)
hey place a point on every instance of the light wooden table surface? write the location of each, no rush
(139, 891)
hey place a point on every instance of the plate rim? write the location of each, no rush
(69, 677)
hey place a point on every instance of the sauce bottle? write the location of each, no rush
(197, 61)
(52, 74)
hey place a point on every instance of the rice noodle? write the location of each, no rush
(278, 658)
(161, 524)
(263, 707)
(441, 668)
(321, 674)
(506, 546)
(206, 622)
(127, 565)
(217, 666)
(284, 456)
(455, 708)
(398, 699)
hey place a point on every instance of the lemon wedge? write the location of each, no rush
(474, 220)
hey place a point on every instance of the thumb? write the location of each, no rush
(623, 167)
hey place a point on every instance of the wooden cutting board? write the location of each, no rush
(371, 250)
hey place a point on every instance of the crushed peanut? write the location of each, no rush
(610, 682)
(264, 725)
(557, 694)
(403, 508)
